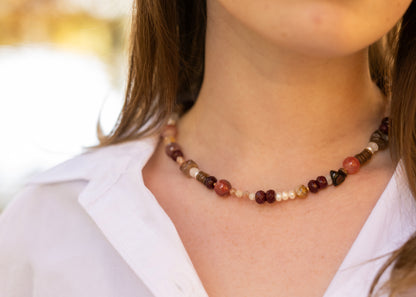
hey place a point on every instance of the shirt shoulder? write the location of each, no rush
(45, 219)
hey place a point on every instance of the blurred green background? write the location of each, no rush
(62, 63)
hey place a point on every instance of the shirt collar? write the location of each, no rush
(129, 216)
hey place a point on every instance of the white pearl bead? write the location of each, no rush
(193, 172)
(373, 145)
(252, 196)
(370, 149)
(239, 193)
(292, 194)
(278, 196)
(328, 179)
(285, 195)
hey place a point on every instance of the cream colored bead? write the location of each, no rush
(292, 194)
(193, 172)
(168, 140)
(373, 145)
(252, 196)
(180, 160)
(173, 118)
(246, 194)
(285, 196)
(278, 196)
(232, 191)
(370, 149)
(328, 179)
(239, 193)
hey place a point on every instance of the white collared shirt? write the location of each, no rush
(90, 227)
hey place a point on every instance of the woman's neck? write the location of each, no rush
(263, 108)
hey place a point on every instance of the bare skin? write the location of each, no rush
(271, 115)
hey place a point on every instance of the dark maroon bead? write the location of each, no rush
(210, 181)
(271, 196)
(171, 147)
(384, 128)
(260, 197)
(176, 154)
(322, 182)
(386, 121)
(313, 186)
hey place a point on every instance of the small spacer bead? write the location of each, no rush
(285, 195)
(370, 149)
(173, 118)
(328, 179)
(239, 193)
(193, 172)
(279, 196)
(292, 194)
(180, 160)
(252, 196)
(246, 195)
(233, 191)
(373, 146)
(168, 140)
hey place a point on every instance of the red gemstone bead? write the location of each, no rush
(222, 187)
(322, 182)
(260, 197)
(171, 147)
(271, 196)
(351, 164)
(313, 186)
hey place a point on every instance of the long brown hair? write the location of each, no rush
(166, 65)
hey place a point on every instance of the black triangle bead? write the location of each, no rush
(337, 177)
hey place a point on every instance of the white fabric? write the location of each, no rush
(90, 227)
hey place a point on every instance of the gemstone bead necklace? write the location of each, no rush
(351, 165)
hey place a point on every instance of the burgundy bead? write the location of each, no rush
(271, 196)
(351, 165)
(384, 128)
(222, 187)
(260, 197)
(171, 147)
(313, 186)
(386, 121)
(176, 154)
(322, 182)
(210, 181)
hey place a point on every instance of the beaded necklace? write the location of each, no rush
(378, 141)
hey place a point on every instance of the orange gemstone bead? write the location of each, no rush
(351, 164)
(222, 187)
